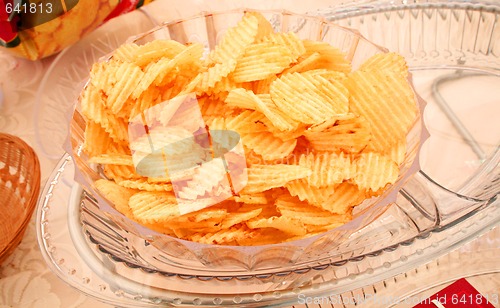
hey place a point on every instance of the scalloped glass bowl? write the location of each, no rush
(125, 240)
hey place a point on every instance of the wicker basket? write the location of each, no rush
(19, 188)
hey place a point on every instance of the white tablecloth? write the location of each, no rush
(25, 280)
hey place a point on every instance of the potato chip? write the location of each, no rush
(112, 159)
(312, 195)
(268, 146)
(212, 76)
(205, 178)
(235, 40)
(331, 57)
(389, 61)
(290, 40)
(374, 171)
(309, 215)
(264, 26)
(397, 152)
(305, 63)
(151, 207)
(231, 235)
(155, 50)
(122, 88)
(246, 99)
(327, 168)
(143, 184)
(258, 198)
(386, 101)
(282, 223)
(310, 99)
(93, 108)
(247, 122)
(241, 215)
(350, 136)
(261, 61)
(117, 194)
(344, 197)
(157, 71)
(265, 177)
(120, 172)
(126, 52)
(95, 139)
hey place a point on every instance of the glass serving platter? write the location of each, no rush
(398, 271)
(457, 73)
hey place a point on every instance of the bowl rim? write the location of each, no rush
(383, 201)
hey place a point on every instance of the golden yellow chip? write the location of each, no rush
(374, 171)
(112, 159)
(120, 172)
(258, 198)
(312, 195)
(305, 63)
(228, 236)
(98, 141)
(261, 61)
(327, 168)
(343, 198)
(247, 122)
(119, 89)
(310, 215)
(268, 146)
(386, 101)
(310, 99)
(93, 109)
(265, 177)
(209, 78)
(118, 195)
(151, 207)
(155, 50)
(206, 177)
(282, 223)
(235, 40)
(143, 184)
(350, 136)
(330, 57)
(246, 99)
(290, 40)
(239, 216)
(389, 61)
(126, 52)
(397, 152)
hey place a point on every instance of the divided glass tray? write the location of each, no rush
(453, 50)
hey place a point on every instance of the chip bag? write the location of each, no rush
(35, 29)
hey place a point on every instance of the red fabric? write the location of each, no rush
(8, 29)
(124, 6)
(460, 294)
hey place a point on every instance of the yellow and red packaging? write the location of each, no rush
(35, 29)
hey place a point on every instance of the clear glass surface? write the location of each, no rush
(170, 254)
(453, 52)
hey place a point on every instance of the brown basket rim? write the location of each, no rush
(35, 174)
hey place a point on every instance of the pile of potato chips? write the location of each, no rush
(318, 137)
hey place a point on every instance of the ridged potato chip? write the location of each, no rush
(309, 99)
(265, 177)
(152, 207)
(386, 101)
(327, 168)
(374, 171)
(267, 138)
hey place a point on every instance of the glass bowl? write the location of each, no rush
(136, 245)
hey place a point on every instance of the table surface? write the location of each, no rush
(25, 280)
